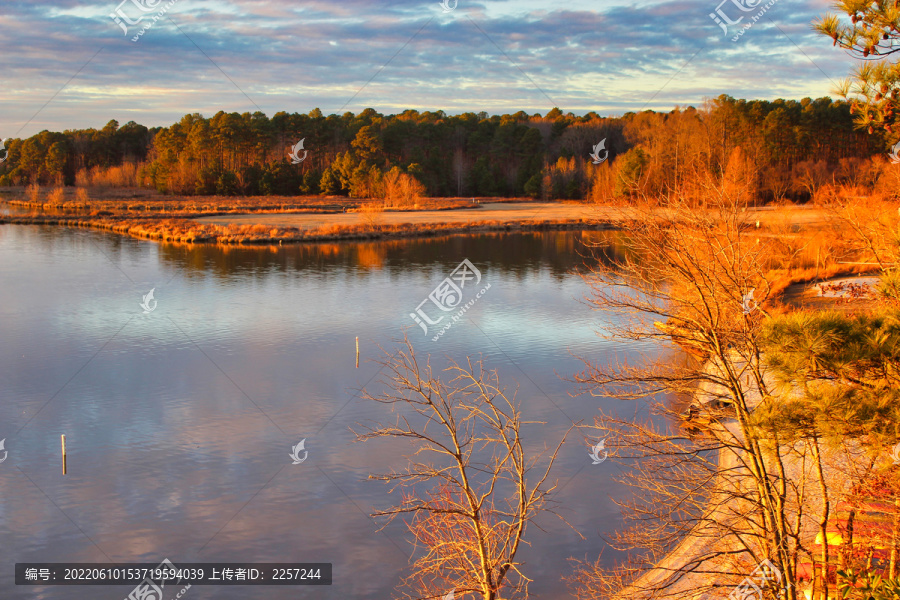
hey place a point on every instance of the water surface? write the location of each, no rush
(180, 421)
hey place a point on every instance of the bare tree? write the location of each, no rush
(715, 494)
(470, 489)
(810, 175)
(871, 230)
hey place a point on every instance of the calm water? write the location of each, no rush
(180, 422)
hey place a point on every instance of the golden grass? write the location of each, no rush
(189, 231)
(857, 233)
(370, 213)
(144, 203)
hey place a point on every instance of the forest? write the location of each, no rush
(777, 150)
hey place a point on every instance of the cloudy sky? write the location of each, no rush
(68, 64)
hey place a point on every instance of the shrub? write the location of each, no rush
(57, 196)
(33, 193)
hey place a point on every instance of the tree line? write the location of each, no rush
(780, 148)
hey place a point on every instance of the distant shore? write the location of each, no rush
(289, 220)
(251, 236)
(278, 220)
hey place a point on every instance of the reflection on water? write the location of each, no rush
(515, 253)
(6, 209)
(180, 422)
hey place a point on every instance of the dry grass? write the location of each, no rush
(370, 213)
(860, 235)
(138, 203)
(189, 231)
(146, 214)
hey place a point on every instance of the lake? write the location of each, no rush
(180, 421)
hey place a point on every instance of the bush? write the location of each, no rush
(57, 196)
(124, 175)
(33, 193)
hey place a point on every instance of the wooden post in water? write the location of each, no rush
(357, 352)
(63, 439)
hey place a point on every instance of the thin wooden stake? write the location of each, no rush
(63, 439)
(357, 352)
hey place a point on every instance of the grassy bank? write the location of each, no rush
(277, 220)
(189, 231)
(138, 202)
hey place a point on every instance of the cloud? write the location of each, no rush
(497, 56)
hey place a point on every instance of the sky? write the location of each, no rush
(68, 64)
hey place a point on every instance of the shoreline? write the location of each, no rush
(377, 232)
(253, 223)
(667, 573)
(318, 222)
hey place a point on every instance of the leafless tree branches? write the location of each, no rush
(469, 489)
